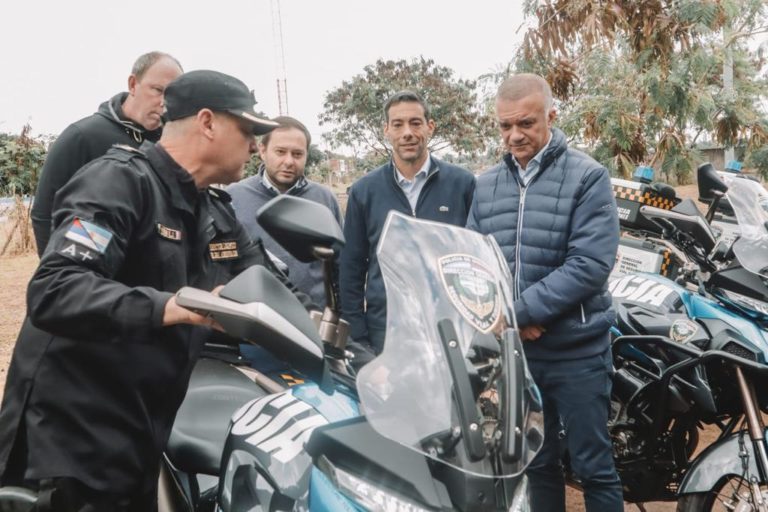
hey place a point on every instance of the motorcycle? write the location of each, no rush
(694, 353)
(447, 417)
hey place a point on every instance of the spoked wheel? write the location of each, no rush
(733, 495)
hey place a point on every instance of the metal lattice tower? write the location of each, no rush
(277, 38)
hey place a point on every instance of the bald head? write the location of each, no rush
(517, 87)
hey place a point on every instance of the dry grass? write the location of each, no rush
(16, 236)
(14, 276)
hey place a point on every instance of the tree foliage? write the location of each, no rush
(642, 82)
(21, 159)
(354, 110)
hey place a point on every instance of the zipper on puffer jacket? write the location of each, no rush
(518, 263)
(583, 316)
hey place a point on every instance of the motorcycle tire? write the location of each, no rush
(17, 499)
(731, 494)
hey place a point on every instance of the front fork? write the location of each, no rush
(757, 436)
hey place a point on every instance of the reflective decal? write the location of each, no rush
(472, 289)
(639, 289)
(277, 424)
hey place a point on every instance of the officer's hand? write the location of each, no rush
(175, 314)
(531, 332)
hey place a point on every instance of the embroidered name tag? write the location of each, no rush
(223, 250)
(169, 233)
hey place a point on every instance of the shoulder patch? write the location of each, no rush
(89, 235)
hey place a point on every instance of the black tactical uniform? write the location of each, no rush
(95, 380)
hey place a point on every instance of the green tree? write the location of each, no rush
(21, 159)
(315, 156)
(354, 110)
(641, 82)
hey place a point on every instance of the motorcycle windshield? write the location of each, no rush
(414, 393)
(750, 204)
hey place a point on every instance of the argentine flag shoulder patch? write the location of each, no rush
(89, 235)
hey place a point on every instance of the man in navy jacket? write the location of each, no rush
(413, 182)
(551, 210)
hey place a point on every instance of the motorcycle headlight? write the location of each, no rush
(521, 501)
(746, 302)
(366, 494)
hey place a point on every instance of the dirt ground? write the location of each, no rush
(14, 276)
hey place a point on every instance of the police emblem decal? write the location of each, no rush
(226, 250)
(472, 290)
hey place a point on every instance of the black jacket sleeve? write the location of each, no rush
(67, 154)
(75, 291)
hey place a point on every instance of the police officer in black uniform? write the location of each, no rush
(102, 362)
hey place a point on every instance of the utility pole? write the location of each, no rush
(277, 38)
(728, 92)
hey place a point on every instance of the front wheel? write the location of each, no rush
(17, 499)
(731, 495)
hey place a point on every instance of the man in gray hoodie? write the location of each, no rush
(127, 118)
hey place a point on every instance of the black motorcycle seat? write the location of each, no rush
(216, 390)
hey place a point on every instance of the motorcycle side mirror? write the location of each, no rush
(717, 198)
(306, 229)
(708, 182)
(309, 232)
(711, 190)
(256, 307)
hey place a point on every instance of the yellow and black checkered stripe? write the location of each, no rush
(291, 380)
(647, 197)
(666, 262)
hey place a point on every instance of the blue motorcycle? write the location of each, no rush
(446, 418)
(694, 353)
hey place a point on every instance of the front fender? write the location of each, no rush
(717, 461)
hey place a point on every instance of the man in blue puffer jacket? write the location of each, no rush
(551, 210)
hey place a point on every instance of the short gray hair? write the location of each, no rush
(148, 60)
(517, 87)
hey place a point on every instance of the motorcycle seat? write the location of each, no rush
(216, 391)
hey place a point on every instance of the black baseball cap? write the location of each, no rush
(196, 90)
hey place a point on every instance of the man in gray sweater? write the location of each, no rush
(284, 152)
